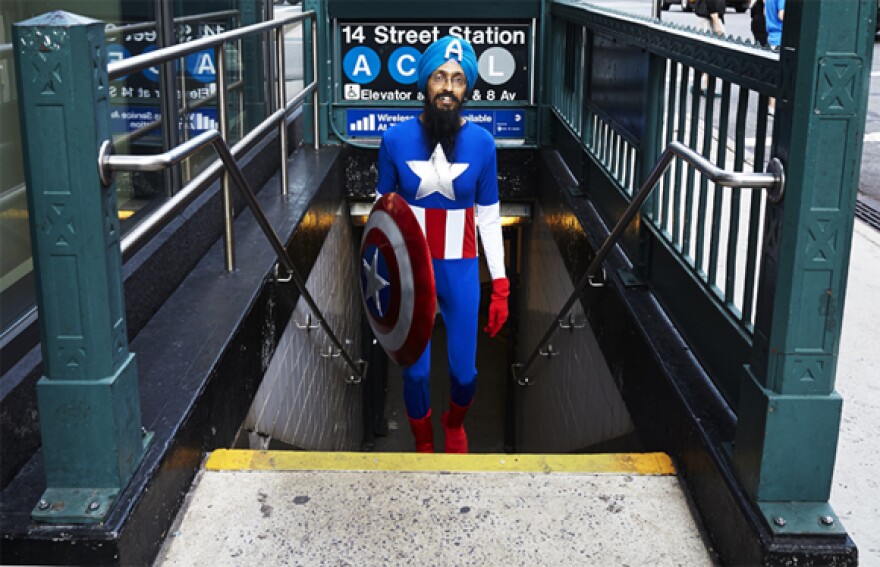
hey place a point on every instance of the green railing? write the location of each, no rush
(64, 84)
(613, 74)
(717, 238)
(755, 287)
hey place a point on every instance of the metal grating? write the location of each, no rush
(868, 214)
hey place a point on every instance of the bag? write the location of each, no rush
(701, 8)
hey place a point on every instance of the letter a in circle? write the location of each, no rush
(362, 66)
(454, 47)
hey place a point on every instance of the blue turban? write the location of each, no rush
(445, 49)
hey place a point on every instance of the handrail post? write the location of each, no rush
(316, 117)
(90, 418)
(168, 106)
(223, 119)
(651, 148)
(282, 101)
(186, 110)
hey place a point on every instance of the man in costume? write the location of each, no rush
(445, 168)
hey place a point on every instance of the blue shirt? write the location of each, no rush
(426, 178)
(774, 24)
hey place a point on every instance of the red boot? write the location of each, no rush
(453, 424)
(423, 431)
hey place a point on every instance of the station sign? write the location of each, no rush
(134, 117)
(379, 61)
(135, 97)
(373, 122)
(199, 69)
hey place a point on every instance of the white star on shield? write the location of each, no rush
(375, 282)
(436, 174)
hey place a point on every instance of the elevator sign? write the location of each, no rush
(380, 61)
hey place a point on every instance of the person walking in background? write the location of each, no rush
(774, 13)
(711, 18)
(759, 22)
(711, 15)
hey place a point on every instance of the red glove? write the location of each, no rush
(498, 306)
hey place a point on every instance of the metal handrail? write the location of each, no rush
(153, 58)
(116, 32)
(108, 163)
(773, 180)
(218, 42)
(135, 238)
(144, 26)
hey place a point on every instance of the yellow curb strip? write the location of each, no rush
(616, 463)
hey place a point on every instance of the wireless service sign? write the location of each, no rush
(380, 61)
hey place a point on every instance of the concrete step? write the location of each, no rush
(307, 508)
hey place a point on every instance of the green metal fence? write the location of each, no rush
(715, 235)
(755, 287)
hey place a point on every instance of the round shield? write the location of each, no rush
(397, 280)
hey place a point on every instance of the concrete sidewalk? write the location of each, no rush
(279, 508)
(855, 495)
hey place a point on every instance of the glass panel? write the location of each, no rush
(294, 51)
(16, 276)
(196, 78)
(136, 112)
(17, 297)
(134, 108)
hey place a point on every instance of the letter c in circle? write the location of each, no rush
(403, 63)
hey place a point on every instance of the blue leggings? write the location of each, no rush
(458, 295)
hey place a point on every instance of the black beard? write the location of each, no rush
(442, 126)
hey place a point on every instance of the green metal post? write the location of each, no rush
(789, 414)
(651, 148)
(543, 53)
(88, 396)
(254, 57)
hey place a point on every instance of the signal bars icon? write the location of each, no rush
(365, 124)
(199, 122)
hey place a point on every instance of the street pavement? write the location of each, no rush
(855, 492)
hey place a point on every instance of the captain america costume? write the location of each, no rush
(444, 195)
(445, 170)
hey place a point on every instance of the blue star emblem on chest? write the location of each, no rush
(436, 174)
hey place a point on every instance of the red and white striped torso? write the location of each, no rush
(451, 233)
